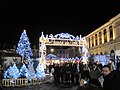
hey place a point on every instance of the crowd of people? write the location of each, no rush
(91, 76)
(65, 73)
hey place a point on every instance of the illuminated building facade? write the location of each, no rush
(105, 38)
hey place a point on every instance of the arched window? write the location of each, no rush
(100, 38)
(111, 32)
(105, 36)
(96, 43)
(101, 53)
(92, 41)
(89, 43)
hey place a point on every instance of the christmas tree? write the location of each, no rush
(12, 72)
(40, 71)
(16, 73)
(23, 48)
(8, 73)
(31, 72)
(23, 71)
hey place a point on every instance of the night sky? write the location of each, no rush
(74, 17)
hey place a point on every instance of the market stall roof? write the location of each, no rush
(51, 56)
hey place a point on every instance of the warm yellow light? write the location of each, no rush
(52, 50)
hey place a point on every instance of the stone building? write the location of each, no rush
(105, 38)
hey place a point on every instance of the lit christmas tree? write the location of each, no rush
(16, 73)
(40, 71)
(8, 73)
(31, 72)
(12, 72)
(23, 48)
(23, 71)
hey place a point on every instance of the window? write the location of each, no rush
(60, 51)
(92, 41)
(76, 55)
(64, 56)
(111, 32)
(105, 36)
(101, 53)
(95, 39)
(63, 51)
(89, 42)
(76, 50)
(100, 38)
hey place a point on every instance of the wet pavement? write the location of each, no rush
(44, 86)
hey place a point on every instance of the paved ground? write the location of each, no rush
(46, 86)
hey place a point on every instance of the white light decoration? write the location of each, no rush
(85, 51)
(51, 36)
(47, 36)
(52, 50)
(64, 36)
(62, 39)
(42, 53)
(77, 38)
(76, 58)
(73, 58)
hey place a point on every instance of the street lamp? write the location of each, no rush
(52, 50)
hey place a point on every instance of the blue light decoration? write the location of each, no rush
(23, 48)
(40, 74)
(64, 36)
(30, 74)
(12, 72)
(51, 56)
(23, 71)
(103, 59)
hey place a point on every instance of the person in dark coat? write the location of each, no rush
(56, 74)
(95, 72)
(85, 78)
(67, 75)
(72, 71)
(93, 84)
(62, 72)
(111, 79)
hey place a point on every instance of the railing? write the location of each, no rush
(36, 81)
(23, 81)
(14, 82)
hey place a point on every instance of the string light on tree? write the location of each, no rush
(23, 48)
